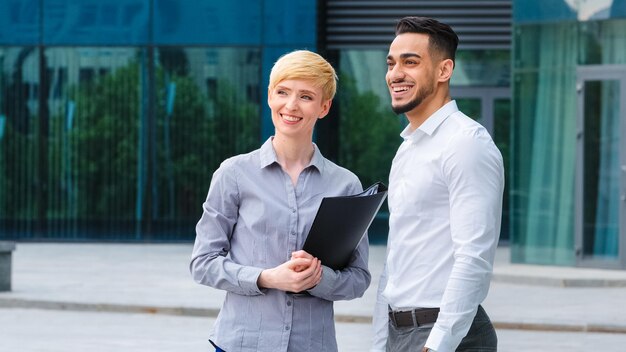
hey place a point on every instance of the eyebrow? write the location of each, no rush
(405, 56)
(299, 91)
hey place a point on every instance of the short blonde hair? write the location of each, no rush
(308, 66)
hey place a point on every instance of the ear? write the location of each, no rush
(269, 95)
(445, 70)
(325, 108)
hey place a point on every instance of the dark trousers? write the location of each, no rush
(481, 336)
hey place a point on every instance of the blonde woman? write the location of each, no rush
(259, 209)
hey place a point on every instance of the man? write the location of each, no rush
(445, 203)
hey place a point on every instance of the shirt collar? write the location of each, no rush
(435, 120)
(268, 156)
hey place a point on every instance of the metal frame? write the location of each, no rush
(599, 73)
(487, 96)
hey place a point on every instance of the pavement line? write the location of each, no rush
(212, 313)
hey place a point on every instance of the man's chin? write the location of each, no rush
(401, 109)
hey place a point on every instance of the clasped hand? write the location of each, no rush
(300, 273)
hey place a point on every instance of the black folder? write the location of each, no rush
(341, 223)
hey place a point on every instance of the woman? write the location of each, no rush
(257, 214)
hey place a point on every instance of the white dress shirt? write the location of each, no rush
(445, 203)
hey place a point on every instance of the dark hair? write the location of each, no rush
(442, 39)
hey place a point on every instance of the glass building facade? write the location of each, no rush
(114, 115)
(568, 135)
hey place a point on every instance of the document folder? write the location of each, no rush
(341, 223)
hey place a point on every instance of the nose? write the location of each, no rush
(292, 103)
(395, 74)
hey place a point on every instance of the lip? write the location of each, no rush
(400, 90)
(290, 119)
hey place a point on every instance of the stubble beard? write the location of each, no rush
(422, 94)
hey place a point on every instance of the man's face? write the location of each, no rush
(410, 72)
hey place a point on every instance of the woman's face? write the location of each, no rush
(296, 105)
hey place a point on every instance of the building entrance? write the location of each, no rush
(601, 167)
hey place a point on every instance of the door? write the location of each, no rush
(601, 167)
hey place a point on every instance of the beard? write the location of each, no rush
(422, 94)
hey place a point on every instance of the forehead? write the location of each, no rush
(416, 43)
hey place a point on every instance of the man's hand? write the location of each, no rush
(296, 275)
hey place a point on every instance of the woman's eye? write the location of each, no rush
(307, 97)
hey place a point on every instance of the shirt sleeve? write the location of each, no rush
(380, 323)
(350, 282)
(210, 264)
(474, 172)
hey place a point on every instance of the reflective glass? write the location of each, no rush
(19, 135)
(129, 140)
(601, 170)
(543, 144)
(96, 22)
(19, 22)
(603, 42)
(208, 109)
(208, 22)
(482, 68)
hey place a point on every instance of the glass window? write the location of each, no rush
(207, 22)
(94, 22)
(125, 148)
(207, 110)
(19, 22)
(19, 128)
(482, 68)
(543, 146)
(603, 42)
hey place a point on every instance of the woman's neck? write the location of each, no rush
(293, 155)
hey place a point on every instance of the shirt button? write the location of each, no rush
(287, 328)
(289, 303)
(293, 233)
(293, 210)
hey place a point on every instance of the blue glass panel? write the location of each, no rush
(290, 22)
(207, 22)
(618, 9)
(96, 22)
(561, 10)
(542, 11)
(19, 22)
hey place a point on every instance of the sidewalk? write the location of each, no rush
(154, 278)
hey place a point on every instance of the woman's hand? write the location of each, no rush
(296, 275)
(301, 254)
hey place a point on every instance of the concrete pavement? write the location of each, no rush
(84, 283)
